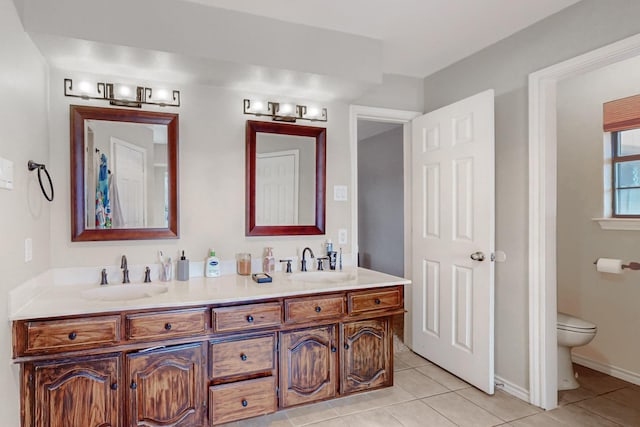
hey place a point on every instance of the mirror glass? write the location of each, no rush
(285, 179)
(124, 174)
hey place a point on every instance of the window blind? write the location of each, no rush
(621, 114)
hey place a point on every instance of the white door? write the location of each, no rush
(453, 222)
(130, 173)
(277, 188)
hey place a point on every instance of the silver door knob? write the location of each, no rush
(477, 256)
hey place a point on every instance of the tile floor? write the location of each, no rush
(425, 395)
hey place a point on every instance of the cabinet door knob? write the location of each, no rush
(346, 346)
(167, 326)
(333, 349)
(134, 385)
(250, 318)
(114, 386)
(243, 357)
(318, 309)
(377, 301)
(73, 336)
(244, 403)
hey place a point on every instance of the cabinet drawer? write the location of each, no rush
(252, 355)
(66, 334)
(360, 302)
(250, 316)
(240, 400)
(166, 324)
(311, 308)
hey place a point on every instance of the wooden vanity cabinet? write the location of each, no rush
(165, 386)
(308, 361)
(78, 392)
(365, 361)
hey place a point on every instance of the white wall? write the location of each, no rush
(23, 211)
(609, 301)
(505, 67)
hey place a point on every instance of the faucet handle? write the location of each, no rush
(288, 261)
(147, 275)
(103, 277)
(320, 260)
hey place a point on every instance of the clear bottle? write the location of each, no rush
(269, 262)
(212, 267)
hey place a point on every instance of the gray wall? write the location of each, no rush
(505, 67)
(381, 202)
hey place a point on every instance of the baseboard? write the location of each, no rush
(512, 389)
(614, 371)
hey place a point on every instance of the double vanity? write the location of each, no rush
(203, 352)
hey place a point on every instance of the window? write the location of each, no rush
(625, 164)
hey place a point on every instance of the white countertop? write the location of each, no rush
(43, 298)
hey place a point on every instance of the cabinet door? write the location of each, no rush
(366, 356)
(165, 387)
(307, 365)
(77, 393)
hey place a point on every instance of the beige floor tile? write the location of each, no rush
(461, 411)
(501, 404)
(542, 419)
(417, 384)
(352, 404)
(411, 359)
(597, 382)
(612, 410)
(418, 414)
(374, 418)
(629, 396)
(443, 377)
(399, 365)
(571, 396)
(575, 416)
(334, 422)
(310, 414)
(389, 396)
(279, 419)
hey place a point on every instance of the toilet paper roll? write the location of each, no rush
(608, 265)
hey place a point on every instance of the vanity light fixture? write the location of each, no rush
(123, 95)
(284, 112)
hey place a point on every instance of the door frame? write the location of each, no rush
(403, 117)
(543, 389)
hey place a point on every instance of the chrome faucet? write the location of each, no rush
(125, 270)
(303, 266)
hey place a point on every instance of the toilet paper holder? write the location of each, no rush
(630, 266)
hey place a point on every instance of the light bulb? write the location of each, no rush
(286, 109)
(312, 112)
(162, 95)
(84, 87)
(257, 106)
(124, 91)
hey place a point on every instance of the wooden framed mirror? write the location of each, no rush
(285, 181)
(124, 174)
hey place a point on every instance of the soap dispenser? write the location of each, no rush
(183, 268)
(269, 262)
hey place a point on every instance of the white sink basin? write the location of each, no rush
(322, 276)
(124, 292)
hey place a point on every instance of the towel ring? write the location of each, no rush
(41, 167)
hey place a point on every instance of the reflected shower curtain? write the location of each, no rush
(103, 205)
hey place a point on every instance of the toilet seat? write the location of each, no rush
(569, 323)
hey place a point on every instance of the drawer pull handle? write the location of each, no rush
(114, 386)
(167, 326)
(244, 403)
(250, 318)
(377, 301)
(346, 346)
(318, 309)
(134, 385)
(243, 357)
(73, 336)
(333, 349)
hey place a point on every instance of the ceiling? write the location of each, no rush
(419, 37)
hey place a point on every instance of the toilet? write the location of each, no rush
(572, 332)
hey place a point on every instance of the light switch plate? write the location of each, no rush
(340, 193)
(6, 174)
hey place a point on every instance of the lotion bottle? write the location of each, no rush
(183, 268)
(212, 267)
(269, 262)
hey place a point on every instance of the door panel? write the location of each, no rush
(453, 217)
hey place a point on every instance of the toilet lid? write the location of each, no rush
(568, 322)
